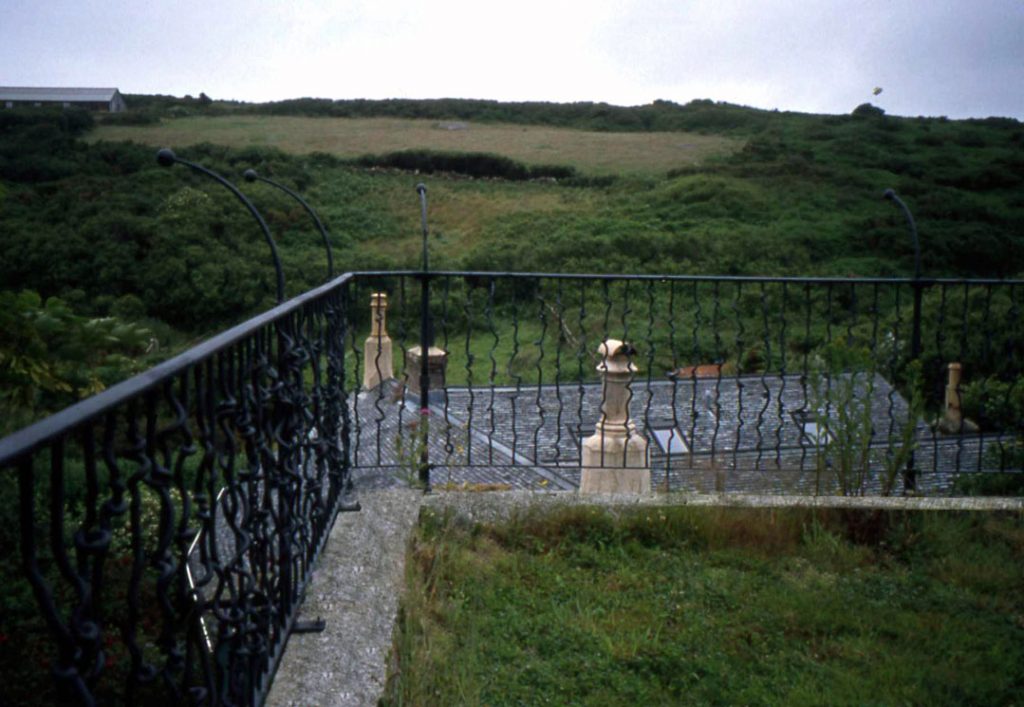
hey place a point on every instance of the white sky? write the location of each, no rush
(959, 58)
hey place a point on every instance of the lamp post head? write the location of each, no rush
(250, 175)
(166, 157)
(889, 194)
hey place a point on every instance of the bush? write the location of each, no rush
(990, 484)
(76, 121)
(128, 307)
(471, 164)
(866, 110)
(995, 404)
(50, 356)
(131, 118)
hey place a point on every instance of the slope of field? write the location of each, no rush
(99, 224)
(590, 152)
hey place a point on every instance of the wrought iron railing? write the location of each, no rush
(744, 383)
(168, 526)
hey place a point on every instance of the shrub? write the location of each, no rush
(995, 404)
(131, 118)
(866, 110)
(472, 164)
(50, 356)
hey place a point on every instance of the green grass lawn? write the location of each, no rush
(713, 606)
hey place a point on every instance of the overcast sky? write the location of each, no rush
(959, 58)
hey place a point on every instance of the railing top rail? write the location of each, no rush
(29, 438)
(925, 281)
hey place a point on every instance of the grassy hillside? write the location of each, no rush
(588, 151)
(760, 193)
(697, 189)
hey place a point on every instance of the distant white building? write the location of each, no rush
(102, 99)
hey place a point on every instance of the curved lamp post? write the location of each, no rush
(909, 474)
(167, 158)
(915, 343)
(251, 176)
(891, 196)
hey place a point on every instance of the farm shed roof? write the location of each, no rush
(70, 95)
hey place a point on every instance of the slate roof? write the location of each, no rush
(752, 434)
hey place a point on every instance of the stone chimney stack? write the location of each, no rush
(954, 415)
(377, 359)
(953, 421)
(437, 364)
(615, 457)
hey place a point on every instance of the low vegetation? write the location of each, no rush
(589, 151)
(701, 188)
(713, 606)
(111, 262)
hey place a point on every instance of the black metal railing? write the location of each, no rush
(168, 526)
(744, 383)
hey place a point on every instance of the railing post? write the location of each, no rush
(910, 473)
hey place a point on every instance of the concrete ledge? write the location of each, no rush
(355, 589)
(488, 507)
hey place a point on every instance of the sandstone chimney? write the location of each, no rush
(953, 421)
(437, 363)
(377, 359)
(954, 415)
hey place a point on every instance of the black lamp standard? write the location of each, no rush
(167, 158)
(251, 176)
(891, 195)
(915, 343)
(909, 474)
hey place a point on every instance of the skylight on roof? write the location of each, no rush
(671, 440)
(816, 433)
